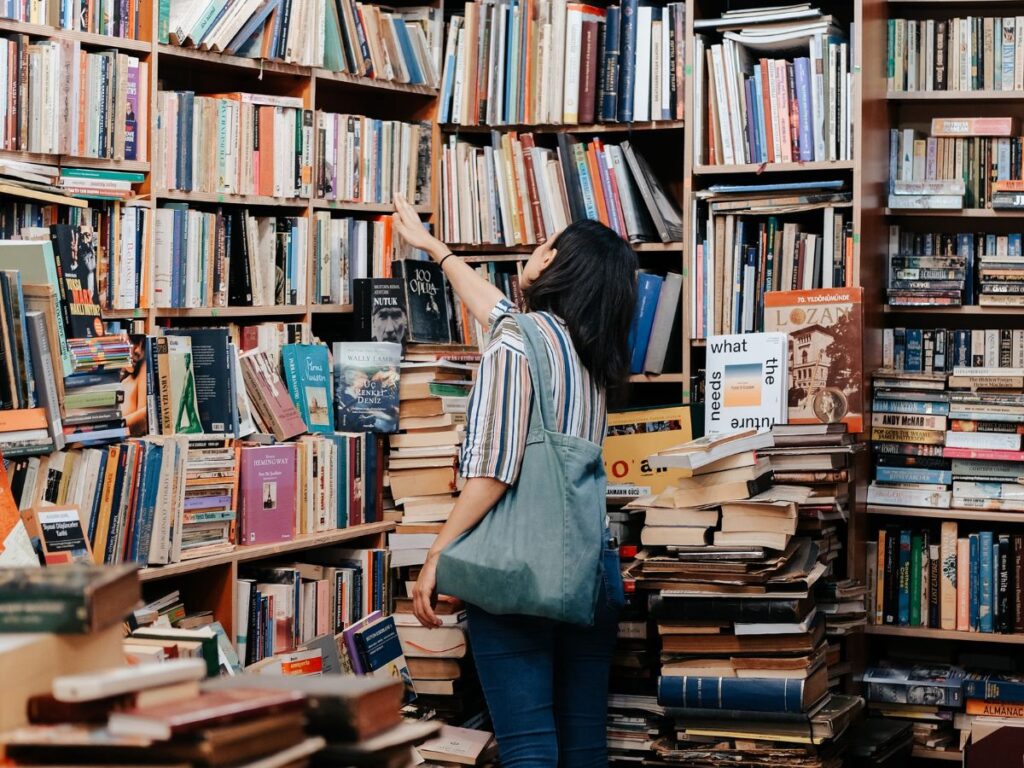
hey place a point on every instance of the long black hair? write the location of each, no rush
(591, 285)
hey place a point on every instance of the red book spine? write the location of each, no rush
(588, 72)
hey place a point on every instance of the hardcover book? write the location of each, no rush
(307, 370)
(380, 652)
(426, 300)
(267, 493)
(380, 309)
(366, 386)
(825, 362)
(746, 382)
(214, 398)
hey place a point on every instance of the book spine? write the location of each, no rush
(914, 614)
(963, 585)
(752, 694)
(934, 586)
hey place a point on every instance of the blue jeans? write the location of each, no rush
(546, 682)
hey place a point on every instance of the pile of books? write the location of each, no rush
(459, 746)
(363, 160)
(1000, 280)
(736, 606)
(745, 249)
(925, 171)
(210, 144)
(516, 191)
(765, 110)
(440, 663)
(91, 104)
(928, 697)
(228, 258)
(566, 63)
(944, 277)
(944, 578)
(931, 54)
(635, 724)
(164, 630)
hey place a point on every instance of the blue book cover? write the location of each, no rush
(913, 475)
(759, 117)
(648, 289)
(627, 61)
(408, 53)
(751, 130)
(975, 584)
(802, 74)
(307, 371)
(254, 24)
(610, 65)
(380, 652)
(341, 463)
(750, 694)
(986, 591)
(961, 347)
(915, 350)
(903, 580)
(1013, 244)
(151, 489)
(910, 406)
(899, 348)
(994, 687)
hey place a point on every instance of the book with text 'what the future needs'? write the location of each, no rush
(747, 382)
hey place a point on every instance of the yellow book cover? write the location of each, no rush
(632, 437)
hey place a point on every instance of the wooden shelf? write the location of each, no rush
(955, 96)
(331, 309)
(924, 633)
(242, 554)
(758, 168)
(958, 213)
(970, 309)
(217, 197)
(321, 203)
(976, 515)
(68, 161)
(86, 38)
(923, 753)
(169, 53)
(656, 378)
(488, 251)
(660, 125)
(370, 83)
(227, 312)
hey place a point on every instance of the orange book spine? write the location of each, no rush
(1012, 710)
(766, 106)
(266, 177)
(963, 584)
(849, 261)
(22, 418)
(595, 180)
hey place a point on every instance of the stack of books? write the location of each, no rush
(56, 621)
(964, 162)
(567, 63)
(927, 696)
(635, 724)
(944, 578)
(347, 250)
(164, 629)
(736, 608)
(459, 746)
(767, 110)
(517, 191)
(210, 144)
(211, 490)
(944, 278)
(936, 54)
(745, 249)
(363, 160)
(943, 349)
(228, 258)
(440, 663)
(90, 104)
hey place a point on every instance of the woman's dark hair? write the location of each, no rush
(591, 285)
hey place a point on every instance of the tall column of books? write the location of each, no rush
(943, 543)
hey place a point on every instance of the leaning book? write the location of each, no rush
(366, 386)
(825, 330)
(746, 382)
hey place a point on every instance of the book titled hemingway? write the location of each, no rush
(825, 328)
(267, 493)
(366, 386)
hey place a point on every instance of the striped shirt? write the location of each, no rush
(498, 413)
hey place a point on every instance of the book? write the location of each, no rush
(426, 301)
(270, 395)
(823, 325)
(310, 384)
(380, 310)
(751, 694)
(100, 686)
(381, 653)
(746, 382)
(66, 600)
(366, 384)
(267, 494)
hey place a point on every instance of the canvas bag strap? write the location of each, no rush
(540, 370)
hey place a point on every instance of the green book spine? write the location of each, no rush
(163, 25)
(32, 611)
(915, 580)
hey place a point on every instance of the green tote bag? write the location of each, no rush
(538, 551)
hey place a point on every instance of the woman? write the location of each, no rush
(546, 682)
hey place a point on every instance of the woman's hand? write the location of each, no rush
(424, 594)
(408, 226)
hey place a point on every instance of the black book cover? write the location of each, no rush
(426, 301)
(573, 190)
(75, 254)
(730, 608)
(211, 366)
(380, 309)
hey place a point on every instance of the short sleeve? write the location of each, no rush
(498, 412)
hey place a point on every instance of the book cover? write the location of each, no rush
(61, 534)
(631, 437)
(825, 361)
(267, 493)
(75, 253)
(270, 396)
(181, 374)
(307, 370)
(366, 376)
(648, 290)
(214, 399)
(380, 652)
(380, 309)
(426, 301)
(746, 384)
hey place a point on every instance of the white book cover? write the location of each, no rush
(642, 83)
(746, 382)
